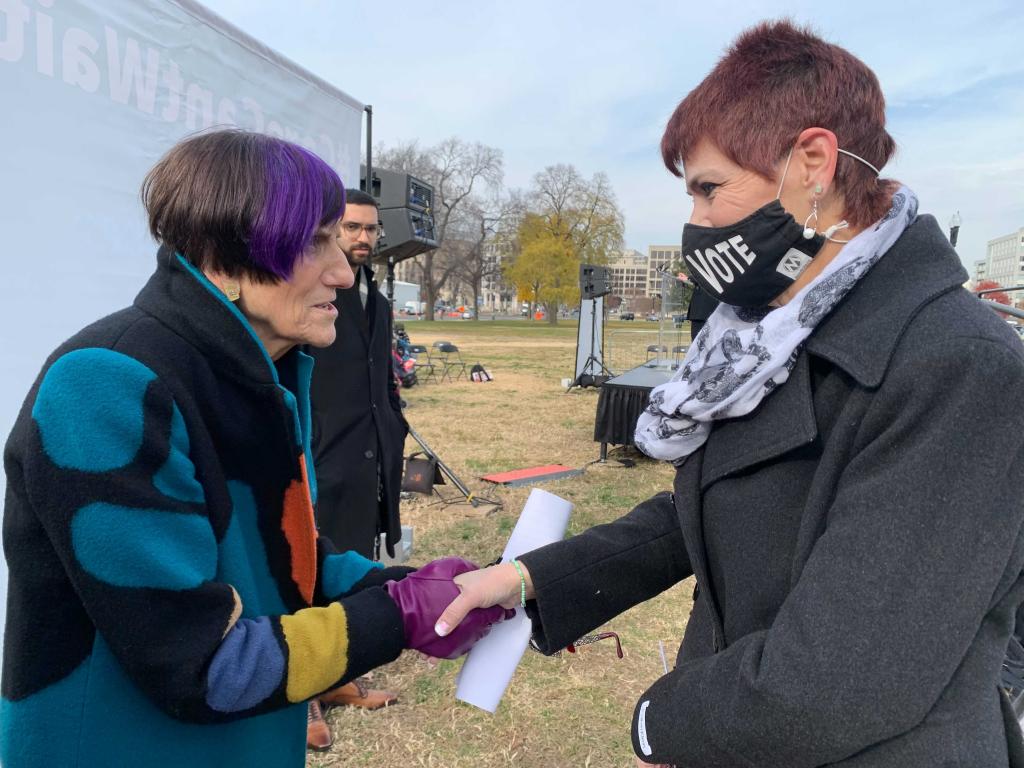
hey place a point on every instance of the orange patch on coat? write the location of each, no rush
(300, 530)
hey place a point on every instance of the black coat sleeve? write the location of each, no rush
(913, 559)
(588, 579)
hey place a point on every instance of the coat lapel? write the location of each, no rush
(860, 336)
(348, 303)
(372, 301)
(784, 421)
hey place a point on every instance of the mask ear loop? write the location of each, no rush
(858, 157)
(835, 228)
(810, 231)
(785, 170)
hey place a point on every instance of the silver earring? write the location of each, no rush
(810, 231)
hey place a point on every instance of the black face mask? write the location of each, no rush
(749, 263)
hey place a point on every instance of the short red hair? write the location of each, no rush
(776, 80)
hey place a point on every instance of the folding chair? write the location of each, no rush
(678, 353)
(657, 349)
(419, 352)
(451, 360)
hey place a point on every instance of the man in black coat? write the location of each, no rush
(359, 432)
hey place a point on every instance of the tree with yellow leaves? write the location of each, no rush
(545, 270)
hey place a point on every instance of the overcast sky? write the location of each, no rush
(592, 84)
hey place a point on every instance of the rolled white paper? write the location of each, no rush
(489, 667)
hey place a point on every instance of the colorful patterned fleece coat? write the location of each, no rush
(170, 602)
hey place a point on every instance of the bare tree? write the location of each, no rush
(457, 170)
(586, 211)
(493, 229)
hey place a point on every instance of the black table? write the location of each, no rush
(622, 400)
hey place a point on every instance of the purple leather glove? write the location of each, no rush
(423, 595)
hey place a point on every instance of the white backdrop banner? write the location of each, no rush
(91, 95)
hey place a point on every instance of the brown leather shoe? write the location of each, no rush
(357, 694)
(318, 733)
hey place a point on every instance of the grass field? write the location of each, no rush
(559, 712)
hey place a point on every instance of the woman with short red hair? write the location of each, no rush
(849, 461)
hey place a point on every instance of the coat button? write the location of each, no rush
(369, 361)
(373, 406)
(368, 454)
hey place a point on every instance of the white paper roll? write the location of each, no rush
(489, 667)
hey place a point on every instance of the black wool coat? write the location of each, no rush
(856, 542)
(358, 426)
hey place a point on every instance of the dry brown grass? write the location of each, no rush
(567, 711)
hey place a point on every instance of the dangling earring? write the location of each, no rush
(232, 290)
(810, 231)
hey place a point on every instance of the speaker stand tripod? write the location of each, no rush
(587, 371)
(470, 497)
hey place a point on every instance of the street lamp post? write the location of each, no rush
(954, 228)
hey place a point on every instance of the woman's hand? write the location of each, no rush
(421, 595)
(497, 585)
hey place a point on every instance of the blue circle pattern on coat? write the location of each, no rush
(77, 399)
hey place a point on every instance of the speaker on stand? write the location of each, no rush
(590, 368)
(406, 216)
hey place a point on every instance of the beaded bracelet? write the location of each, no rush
(522, 583)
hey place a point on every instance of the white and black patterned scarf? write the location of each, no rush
(742, 355)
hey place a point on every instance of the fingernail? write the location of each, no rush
(442, 628)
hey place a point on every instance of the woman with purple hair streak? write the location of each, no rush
(165, 568)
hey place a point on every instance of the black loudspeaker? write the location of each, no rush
(594, 281)
(399, 190)
(406, 214)
(407, 233)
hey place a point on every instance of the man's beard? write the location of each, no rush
(359, 256)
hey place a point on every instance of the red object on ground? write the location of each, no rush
(532, 475)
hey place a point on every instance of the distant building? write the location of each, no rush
(627, 273)
(1004, 260)
(661, 257)
(407, 271)
(495, 293)
(979, 270)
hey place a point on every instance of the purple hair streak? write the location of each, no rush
(301, 194)
(241, 202)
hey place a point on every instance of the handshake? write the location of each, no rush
(421, 598)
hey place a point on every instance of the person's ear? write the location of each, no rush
(229, 286)
(815, 159)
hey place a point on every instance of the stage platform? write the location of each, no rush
(622, 400)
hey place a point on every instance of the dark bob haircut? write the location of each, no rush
(241, 203)
(776, 80)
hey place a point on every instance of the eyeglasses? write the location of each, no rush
(585, 640)
(588, 639)
(353, 228)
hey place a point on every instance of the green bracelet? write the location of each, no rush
(522, 583)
